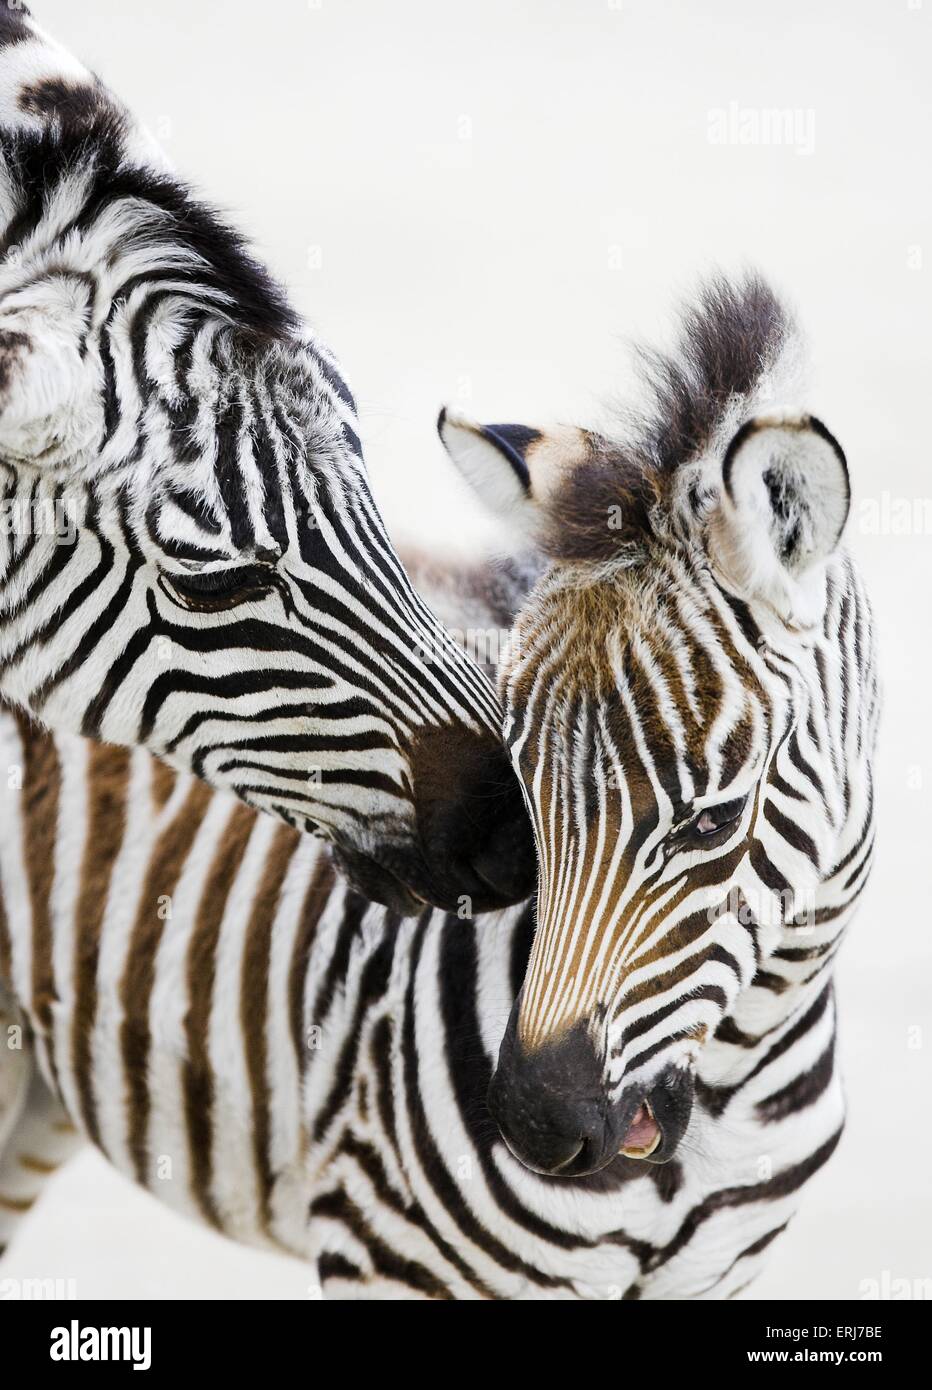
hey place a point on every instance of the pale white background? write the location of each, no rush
(479, 201)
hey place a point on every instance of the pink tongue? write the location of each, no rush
(642, 1131)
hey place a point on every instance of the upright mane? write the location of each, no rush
(729, 343)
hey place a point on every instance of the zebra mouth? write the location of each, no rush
(376, 882)
(643, 1135)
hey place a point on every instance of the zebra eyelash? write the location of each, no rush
(215, 590)
(722, 820)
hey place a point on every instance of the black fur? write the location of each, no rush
(514, 442)
(727, 340)
(12, 28)
(72, 103)
(96, 137)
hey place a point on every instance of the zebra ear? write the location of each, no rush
(784, 502)
(511, 468)
(50, 398)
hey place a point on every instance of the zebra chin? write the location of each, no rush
(376, 883)
(466, 845)
(557, 1116)
(409, 886)
(463, 872)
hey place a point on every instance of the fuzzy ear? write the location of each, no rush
(511, 468)
(51, 404)
(784, 502)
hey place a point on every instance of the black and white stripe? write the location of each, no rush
(321, 1075)
(691, 704)
(191, 557)
(281, 1059)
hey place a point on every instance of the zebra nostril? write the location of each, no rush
(548, 1103)
(571, 1158)
(551, 1154)
(502, 852)
(474, 832)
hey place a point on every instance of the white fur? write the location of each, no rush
(746, 534)
(485, 469)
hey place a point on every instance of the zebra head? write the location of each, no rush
(191, 558)
(665, 697)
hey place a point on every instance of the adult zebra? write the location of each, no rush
(292, 1064)
(190, 556)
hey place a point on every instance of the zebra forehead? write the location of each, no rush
(636, 680)
(629, 751)
(660, 625)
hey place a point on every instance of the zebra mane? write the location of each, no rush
(730, 340)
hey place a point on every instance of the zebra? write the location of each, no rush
(617, 1091)
(191, 557)
(691, 706)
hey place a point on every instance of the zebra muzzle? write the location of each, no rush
(559, 1116)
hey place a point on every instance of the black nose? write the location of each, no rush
(553, 1109)
(474, 829)
(500, 842)
(548, 1103)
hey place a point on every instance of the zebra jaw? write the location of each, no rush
(643, 1136)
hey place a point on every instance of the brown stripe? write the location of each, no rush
(254, 1002)
(41, 793)
(163, 783)
(108, 780)
(6, 946)
(17, 1203)
(139, 976)
(202, 964)
(315, 900)
(34, 1164)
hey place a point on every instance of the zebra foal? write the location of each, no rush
(691, 703)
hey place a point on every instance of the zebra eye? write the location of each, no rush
(217, 589)
(716, 818)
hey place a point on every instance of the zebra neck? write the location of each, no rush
(790, 998)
